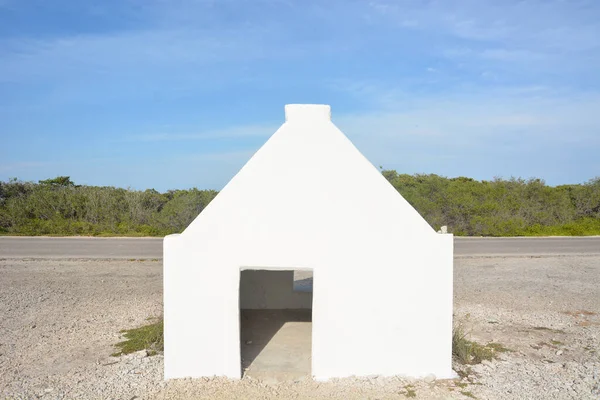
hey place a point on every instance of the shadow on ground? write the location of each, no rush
(276, 344)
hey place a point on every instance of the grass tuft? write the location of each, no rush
(498, 347)
(464, 373)
(409, 391)
(147, 337)
(466, 351)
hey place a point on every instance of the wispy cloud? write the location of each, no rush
(125, 54)
(478, 84)
(512, 55)
(235, 157)
(22, 165)
(537, 31)
(523, 132)
(233, 132)
(528, 22)
(531, 108)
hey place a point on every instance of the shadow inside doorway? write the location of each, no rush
(276, 344)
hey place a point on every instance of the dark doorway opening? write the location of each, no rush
(275, 325)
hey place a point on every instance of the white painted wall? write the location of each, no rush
(382, 299)
(262, 289)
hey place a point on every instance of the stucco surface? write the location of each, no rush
(308, 199)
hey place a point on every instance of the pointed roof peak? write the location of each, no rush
(307, 113)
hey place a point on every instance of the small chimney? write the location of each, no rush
(307, 113)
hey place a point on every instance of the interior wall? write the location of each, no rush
(267, 289)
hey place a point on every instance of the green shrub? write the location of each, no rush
(501, 207)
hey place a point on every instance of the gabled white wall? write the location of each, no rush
(382, 299)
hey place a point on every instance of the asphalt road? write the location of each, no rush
(136, 248)
(527, 246)
(80, 247)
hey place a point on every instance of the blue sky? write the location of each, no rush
(180, 93)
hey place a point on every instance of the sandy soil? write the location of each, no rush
(60, 319)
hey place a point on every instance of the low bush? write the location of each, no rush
(501, 207)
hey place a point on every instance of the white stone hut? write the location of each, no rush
(308, 199)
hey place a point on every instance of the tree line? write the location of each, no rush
(500, 207)
(60, 207)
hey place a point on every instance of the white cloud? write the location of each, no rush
(464, 77)
(528, 131)
(122, 54)
(260, 130)
(22, 165)
(519, 30)
(512, 55)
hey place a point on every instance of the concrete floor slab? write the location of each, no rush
(276, 344)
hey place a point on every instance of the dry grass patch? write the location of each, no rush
(409, 391)
(148, 337)
(543, 328)
(466, 351)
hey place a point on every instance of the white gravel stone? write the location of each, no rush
(86, 303)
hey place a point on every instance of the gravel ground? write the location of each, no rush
(60, 319)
